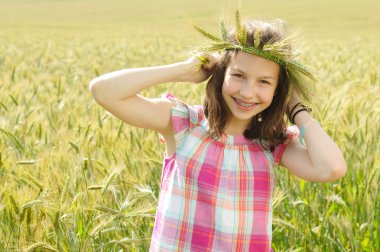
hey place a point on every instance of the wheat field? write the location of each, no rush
(75, 178)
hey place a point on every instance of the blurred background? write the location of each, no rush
(75, 178)
(326, 19)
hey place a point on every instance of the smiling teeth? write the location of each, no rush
(247, 105)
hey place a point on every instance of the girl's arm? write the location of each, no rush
(321, 159)
(118, 92)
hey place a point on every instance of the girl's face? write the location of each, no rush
(248, 88)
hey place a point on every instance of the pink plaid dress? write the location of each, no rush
(216, 194)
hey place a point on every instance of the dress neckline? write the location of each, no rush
(234, 139)
(231, 140)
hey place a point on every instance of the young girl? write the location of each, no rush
(218, 176)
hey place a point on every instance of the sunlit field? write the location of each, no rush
(75, 178)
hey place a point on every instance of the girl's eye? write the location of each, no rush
(265, 82)
(240, 76)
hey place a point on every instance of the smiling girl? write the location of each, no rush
(218, 171)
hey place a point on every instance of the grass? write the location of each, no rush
(74, 178)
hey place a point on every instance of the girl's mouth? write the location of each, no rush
(243, 105)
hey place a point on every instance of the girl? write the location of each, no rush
(218, 176)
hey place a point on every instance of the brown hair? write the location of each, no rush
(272, 129)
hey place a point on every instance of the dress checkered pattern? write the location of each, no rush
(216, 194)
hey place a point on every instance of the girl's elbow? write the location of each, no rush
(94, 88)
(337, 171)
(94, 85)
(336, 166)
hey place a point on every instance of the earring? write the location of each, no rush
(259, 118)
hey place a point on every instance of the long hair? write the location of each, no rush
(272, 129)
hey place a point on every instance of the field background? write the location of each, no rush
(74, 178)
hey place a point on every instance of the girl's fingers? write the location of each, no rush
(211, 59)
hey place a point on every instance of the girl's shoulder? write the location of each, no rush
(193, 114)
(184, 117)
(292, 134)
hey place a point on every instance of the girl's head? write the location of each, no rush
(248, 92)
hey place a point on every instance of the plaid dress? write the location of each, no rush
(216, 194)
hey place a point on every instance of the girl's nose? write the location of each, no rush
(247, 90)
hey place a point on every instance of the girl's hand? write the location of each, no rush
(200, 67)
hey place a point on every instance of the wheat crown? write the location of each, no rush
(278, 52)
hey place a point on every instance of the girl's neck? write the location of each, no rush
(235, 129)
(233, 132)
